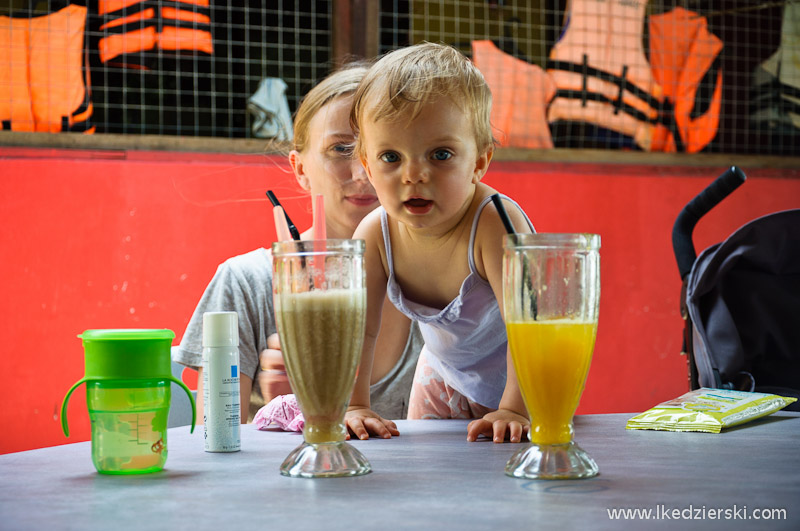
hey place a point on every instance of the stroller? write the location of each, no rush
(740, 299)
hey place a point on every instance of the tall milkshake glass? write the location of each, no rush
(320, 296)
(551, 295)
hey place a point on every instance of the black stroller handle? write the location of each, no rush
(711, 196)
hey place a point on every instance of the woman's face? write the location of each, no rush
(327, 167)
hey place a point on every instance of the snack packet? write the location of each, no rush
(708, 410)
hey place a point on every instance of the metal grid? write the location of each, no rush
(190, 92)
(206, 95)
(755, 115)
(197, 94)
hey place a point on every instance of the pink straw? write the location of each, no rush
(320, 235)
(281, 226)
(320, 231)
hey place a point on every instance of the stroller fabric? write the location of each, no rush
(743, 297)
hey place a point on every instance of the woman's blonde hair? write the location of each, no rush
(341, 82)
(404, 80)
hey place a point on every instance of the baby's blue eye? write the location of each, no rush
(389, 157)
(442, 154)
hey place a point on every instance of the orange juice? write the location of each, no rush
(552, 360)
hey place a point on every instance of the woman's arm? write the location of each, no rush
(242, 283)
(271, 376)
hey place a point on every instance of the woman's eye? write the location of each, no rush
(344, 150)
(442, 154)
(389, 157)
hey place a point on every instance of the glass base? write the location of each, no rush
(325, 460)
(552, 461)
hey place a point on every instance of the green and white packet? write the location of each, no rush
(708, 410)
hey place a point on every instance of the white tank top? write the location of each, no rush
(465, 342)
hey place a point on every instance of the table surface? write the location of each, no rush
(428, 478)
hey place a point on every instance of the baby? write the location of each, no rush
(435, 245)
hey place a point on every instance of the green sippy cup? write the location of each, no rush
(128, 376)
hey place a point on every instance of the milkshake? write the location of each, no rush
(321, 334)
(320, 298)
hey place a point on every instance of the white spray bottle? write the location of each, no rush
(221, 400)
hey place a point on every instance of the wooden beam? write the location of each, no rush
(355, 30)
(341, 31)
(108, 141)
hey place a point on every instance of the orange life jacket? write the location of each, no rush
(685, 59)
(601, 73)
(520, 93)
(133, 26)
(44, 81)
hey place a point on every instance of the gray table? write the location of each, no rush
(429, 478)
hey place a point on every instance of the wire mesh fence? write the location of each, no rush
(674, 76)
(197, 93)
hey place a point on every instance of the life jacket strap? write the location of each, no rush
(586, 70)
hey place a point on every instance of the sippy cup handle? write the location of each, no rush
(191, 399)
(64, 426)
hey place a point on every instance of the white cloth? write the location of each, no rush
(270, 110)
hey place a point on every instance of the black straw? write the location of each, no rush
(292, 229)
(501, 211)
(273, 199)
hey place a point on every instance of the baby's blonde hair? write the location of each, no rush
(342, 82)
(401, 82)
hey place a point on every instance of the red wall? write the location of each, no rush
(110, 239)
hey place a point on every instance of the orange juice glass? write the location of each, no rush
(551, 295)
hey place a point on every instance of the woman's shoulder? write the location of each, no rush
(254, 264)
(255, 257)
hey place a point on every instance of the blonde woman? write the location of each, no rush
(321, 158)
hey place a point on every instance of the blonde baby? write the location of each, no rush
(435, 245)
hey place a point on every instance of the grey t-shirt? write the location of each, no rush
(388, 396)
(244, 284)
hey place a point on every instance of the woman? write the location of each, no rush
(322, 162)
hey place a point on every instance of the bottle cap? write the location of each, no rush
(220, 329)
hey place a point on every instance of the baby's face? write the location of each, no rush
(424, 171)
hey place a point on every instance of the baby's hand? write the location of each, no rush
(363, 422)
(497, 425)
